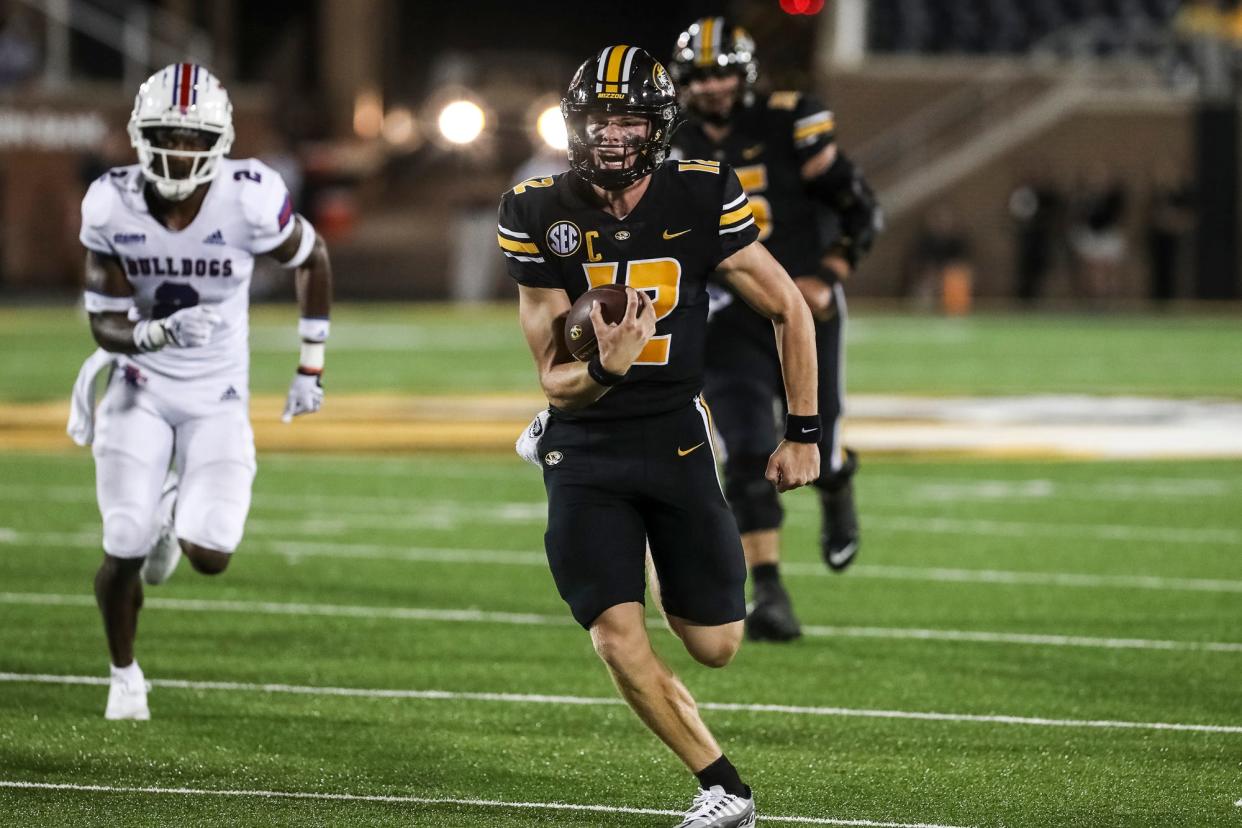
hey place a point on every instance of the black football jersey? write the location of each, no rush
(693, 216)
(771, 138)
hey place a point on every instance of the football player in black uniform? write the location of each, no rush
(782, 148)
(626, 445)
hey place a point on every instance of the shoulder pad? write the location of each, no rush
(99, 200)
(538, 182)
(519, 207)
(257, 186)
(784, 100)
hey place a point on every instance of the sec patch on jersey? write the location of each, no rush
(580, 331)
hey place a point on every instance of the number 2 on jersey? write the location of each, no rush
(658, 278)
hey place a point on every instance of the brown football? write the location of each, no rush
(579, 332)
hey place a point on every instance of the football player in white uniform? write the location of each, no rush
(171, 243)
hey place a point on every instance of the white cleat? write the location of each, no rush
(127, 695)
(714, 808)
(163, 557)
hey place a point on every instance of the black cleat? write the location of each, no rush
(839, 539)
(772, 618)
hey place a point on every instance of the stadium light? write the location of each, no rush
(461, 122)
(368, 113)
(551, 128)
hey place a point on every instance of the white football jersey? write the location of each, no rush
(246, 212)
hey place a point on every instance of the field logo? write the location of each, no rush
(564, 238)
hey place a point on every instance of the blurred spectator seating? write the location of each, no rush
(1013, 26)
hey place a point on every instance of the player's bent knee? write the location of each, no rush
(713, 651)
(204, 560)
(620, 648)
(617, 651)
(216, 530)
(125, 535)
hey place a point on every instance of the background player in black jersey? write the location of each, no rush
(626, 445)
(782, 147)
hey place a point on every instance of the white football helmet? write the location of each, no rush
(181, 96)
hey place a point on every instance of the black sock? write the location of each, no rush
(766, 573)
(722, 773)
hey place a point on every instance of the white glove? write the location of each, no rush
(187, 328)
(305, 396)
(527, 445)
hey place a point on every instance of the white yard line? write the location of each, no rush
(605, 701)
(423, 800)
(979, 637)
(536, 619)
(293, 550)
(358, 507)
(411, 512)
(1008, 577)
(1077, 531)
(943, 491)
(897, 487)
(315, 610)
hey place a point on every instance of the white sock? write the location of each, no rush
(131, 673)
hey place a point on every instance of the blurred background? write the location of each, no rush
(1074, 154)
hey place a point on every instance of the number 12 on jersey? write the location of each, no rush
(660, 279)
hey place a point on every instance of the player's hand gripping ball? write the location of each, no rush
(580, 332)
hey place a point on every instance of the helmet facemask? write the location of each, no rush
(708, 106)
(594, 153)
(176, 172)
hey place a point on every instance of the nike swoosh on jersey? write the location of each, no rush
(751, 152)
(683, 452)
(668, 235)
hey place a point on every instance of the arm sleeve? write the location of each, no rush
(267, 206)
(523, 252)
(96, 210)
(814, 127)
(737, 221)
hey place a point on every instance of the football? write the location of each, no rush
(579, 332)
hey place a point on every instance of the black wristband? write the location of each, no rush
(802, 429)
(602, 375)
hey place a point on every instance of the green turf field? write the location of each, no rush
(443, 350)
(1022, 644)
(1098, 604)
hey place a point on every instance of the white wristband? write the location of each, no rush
(103, 303)
(313, 329)
(311, 356)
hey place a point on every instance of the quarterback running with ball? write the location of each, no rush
(626, 446)
(171, 243)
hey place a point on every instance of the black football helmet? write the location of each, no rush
(620, 80)
(715, 46)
